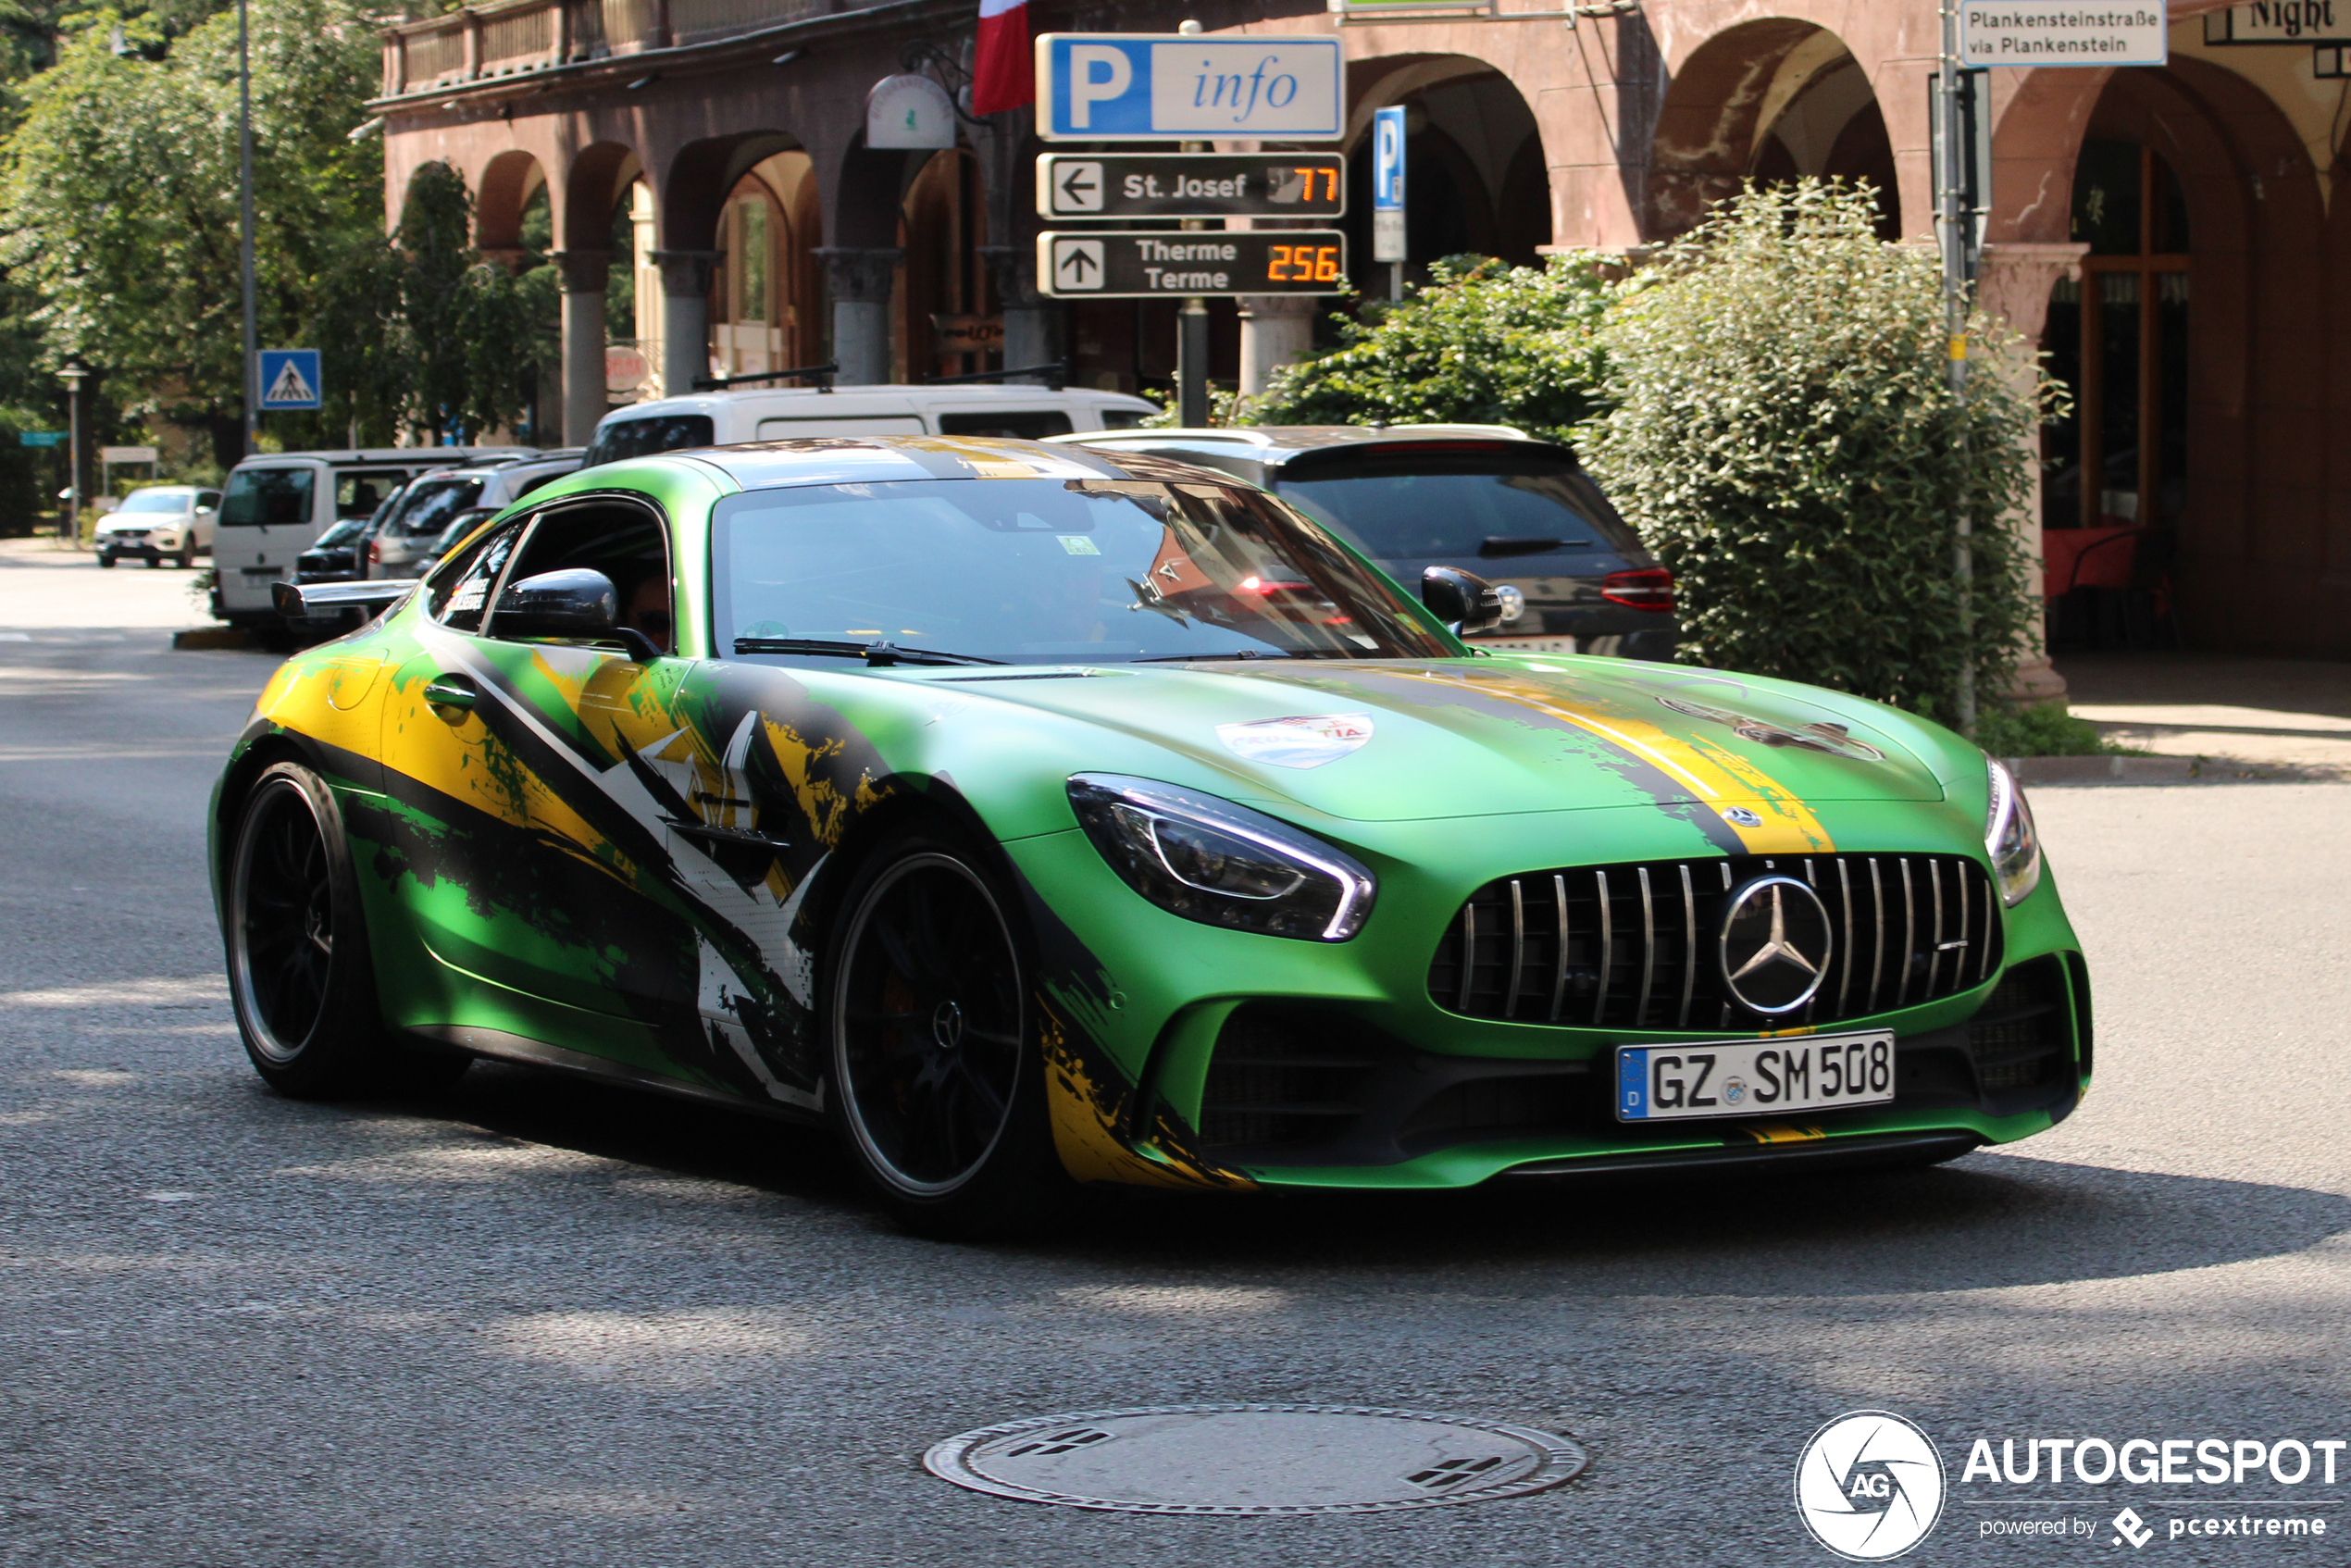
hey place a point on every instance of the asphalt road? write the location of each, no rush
(536, 1323)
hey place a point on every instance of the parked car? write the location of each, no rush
(157, 523)
(336, 556)
(1574, 577)
(1041, 814)
(399, 545)
(454, 535)
(276, 505)
(725, 418)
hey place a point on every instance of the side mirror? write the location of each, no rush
(576, 603)
(1463, 601)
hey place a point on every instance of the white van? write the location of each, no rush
(275, 504)
(726, 419)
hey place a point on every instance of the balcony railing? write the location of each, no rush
(510, 37)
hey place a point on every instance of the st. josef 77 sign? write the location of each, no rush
(1168, 87)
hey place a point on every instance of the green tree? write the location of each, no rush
(1483, 343)
(119, 193)
(1784, 436)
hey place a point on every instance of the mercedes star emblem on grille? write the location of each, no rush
(1776, 945)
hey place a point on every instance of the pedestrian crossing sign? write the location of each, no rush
(289, 378)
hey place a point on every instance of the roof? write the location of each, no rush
(770, 465)
(894, 395)
(1279, 443)
(395, 454)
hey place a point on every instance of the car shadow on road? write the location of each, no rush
(1988, 1220)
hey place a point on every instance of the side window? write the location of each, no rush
(268, 497)
(459, 592)
(1024, 425)
(642, 438)
(359, 492)
(208, 502)
(625, 543)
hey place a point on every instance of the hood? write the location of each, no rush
(1403, 741)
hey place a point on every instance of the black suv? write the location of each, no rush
(1487, 498)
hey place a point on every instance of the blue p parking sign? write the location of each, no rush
(289, 378)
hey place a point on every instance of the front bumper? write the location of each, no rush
(1301, 1064)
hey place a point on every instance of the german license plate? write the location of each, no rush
(1672, 1083)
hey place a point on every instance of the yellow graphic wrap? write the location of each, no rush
(1083, 1120)
(1714, 773)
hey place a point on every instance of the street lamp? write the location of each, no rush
(72, 372)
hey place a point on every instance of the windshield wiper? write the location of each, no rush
(879, 652)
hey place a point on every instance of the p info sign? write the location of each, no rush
(2062, 32)
(1172, 87)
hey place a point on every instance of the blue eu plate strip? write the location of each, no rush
(1633, 1084)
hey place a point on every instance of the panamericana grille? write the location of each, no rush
(1636, 947)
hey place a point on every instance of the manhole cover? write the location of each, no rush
(1255, 1459)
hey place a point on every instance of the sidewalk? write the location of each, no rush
(2286, 718)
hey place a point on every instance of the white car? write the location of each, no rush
(725, 419)
(159, 522)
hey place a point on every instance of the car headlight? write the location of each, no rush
(1221, 865)
(2008, 833)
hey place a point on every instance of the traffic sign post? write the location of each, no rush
(1164, 264)
(1387, 194)
(290, 379)
(1181, 87)
(1089, 187)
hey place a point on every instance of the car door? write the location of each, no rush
(545, 787)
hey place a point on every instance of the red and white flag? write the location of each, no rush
(1004, 75)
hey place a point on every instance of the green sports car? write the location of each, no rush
(1039, 816)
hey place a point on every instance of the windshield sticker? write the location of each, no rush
(1308, 740)
(1077, 544)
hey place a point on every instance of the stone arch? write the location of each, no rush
(942, 231)
(1769, 99)
(864, 210)
(505, 188)
(767, 290)
(1479, 176)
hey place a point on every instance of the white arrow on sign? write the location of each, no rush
(1079, 188)
(1078, 264)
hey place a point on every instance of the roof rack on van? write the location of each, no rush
(824, 374)
(1056, 375)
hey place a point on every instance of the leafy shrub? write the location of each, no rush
(2046, 729)
(1784, 438)
(1483, 343)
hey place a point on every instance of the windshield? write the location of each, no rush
(1426, 505)
(342, 533)
(1046, 571)
(429, 505)
(258, 496)
(155, 501)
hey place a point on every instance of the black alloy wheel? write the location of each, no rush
(939, 1092)
(301, 978)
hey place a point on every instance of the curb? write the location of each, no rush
(212, 637)
(2162, 770)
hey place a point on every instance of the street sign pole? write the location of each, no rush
(244, 227)
(1956, 223)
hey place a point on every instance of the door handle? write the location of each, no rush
(451, 697)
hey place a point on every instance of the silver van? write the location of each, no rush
(275, 505)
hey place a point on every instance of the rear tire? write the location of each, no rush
(938, 1082)
(106, 561)
(301, 976)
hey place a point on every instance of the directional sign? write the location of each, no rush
(289, 378)
(41, 438)
(1170, 87)
(2063, 32)
(1132, 185)
(1388, 185)
(1171, 264)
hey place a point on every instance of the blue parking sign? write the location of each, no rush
(289, 378)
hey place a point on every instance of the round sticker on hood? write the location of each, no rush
(1829, 738)
(1308, 741)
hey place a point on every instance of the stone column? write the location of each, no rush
(859, 278)
(1276, 330)
(684, 318)
(584, 275)
(1033, 324)
(2013, 288)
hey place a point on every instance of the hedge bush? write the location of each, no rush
(1784, 438)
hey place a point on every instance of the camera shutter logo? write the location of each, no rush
(1869, 1486)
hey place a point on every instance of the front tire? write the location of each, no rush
(301, 978)
(106, 561)
(938, 1081)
